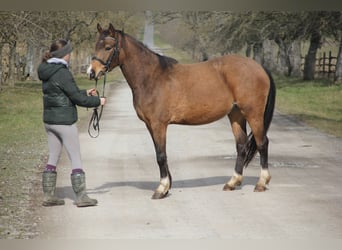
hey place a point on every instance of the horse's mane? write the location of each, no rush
(165, 62)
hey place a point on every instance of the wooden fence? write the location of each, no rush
(325, 65)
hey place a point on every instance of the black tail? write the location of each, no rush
(251, 147)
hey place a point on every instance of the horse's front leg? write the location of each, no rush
(158, 133)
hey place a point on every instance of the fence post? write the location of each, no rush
(330, 65)
(324, 58)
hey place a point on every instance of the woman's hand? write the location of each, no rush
(103, 101)
(91, 92)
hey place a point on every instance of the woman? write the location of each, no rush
(60, 97)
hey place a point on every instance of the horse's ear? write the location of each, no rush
(99, 28)
(111, 28)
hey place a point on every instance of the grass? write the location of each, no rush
(21, 151)
(317, 103)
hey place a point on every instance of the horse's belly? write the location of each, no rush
(197, 113)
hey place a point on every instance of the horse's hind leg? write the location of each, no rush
(238, 123)
(265, 176)
(158, 133)
(261, 141)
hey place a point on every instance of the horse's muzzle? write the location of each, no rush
(92, 75)
(90, 72)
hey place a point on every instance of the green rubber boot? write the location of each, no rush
(49, 187)
(79, 187)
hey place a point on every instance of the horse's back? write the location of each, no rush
(231, 67)
(234, 73)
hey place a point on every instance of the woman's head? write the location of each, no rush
(59, 48)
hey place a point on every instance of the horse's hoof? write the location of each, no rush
(259, 188)
(158, 196)
(227, 187)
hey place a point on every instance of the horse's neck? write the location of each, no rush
(137, 66)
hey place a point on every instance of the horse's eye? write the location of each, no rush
(108, 48)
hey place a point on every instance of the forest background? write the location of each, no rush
(287, 43)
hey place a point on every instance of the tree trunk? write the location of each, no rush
(248, 50)
(310, 58)
(11, 64)
(257, 53)
(269, 55)
(1, 69)
(29, 59)
(338, 72)
(282, 65)
(295, 59)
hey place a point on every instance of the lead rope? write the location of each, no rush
(96, 116)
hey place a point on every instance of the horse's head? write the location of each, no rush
(106, 52)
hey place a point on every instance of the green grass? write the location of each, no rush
(21, 151)
(317, 103)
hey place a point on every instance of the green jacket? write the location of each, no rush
(61, 94)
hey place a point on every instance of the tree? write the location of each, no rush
(26, 34)
(319, 24)
(195, 20)
(9, 36)
(18, 30)
(338, 72)
(287, 31)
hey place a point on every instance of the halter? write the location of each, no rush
(96, 116)
(114, 55)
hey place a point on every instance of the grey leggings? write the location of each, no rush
(67, 136)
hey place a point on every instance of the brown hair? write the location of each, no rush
(56, 45)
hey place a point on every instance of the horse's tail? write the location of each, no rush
(250, 146)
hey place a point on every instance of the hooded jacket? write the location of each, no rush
(61, 94)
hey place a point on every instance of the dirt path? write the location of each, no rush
(303, 200)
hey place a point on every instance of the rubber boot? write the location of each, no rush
(79, 187)
(49, 187)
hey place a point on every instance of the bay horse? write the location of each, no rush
(167, 92)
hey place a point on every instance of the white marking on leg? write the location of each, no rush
(235, 180)
(164, 185)
(265, 177)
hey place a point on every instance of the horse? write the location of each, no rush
(167, 92)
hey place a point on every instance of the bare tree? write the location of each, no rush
(8, 34)
(338, 35)
(319, 24)
(26, 34)
(338, 72)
